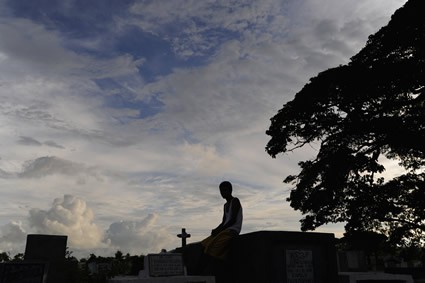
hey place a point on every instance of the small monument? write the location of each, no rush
(165, 267)
(44, 262)
(183, 236)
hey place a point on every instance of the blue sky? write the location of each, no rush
(120, 118)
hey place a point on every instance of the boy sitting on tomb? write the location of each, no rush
(217, 244)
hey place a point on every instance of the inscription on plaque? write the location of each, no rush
(299, 266)
(165, 265)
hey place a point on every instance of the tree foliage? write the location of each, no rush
(361, 114)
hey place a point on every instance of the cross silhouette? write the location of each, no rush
(183, 236)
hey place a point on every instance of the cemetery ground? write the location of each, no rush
(361, 256)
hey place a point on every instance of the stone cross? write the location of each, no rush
(183, 236)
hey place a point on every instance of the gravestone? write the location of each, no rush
(275, 257)
(299, 266)
(164, 264)
(45, 247)
(51, 250)
(163, 268)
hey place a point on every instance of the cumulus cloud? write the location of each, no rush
(137, 237)
(12, 237)
(69, 216)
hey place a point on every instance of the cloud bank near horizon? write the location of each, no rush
(72, 217)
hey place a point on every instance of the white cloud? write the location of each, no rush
(138, 237)
(68, 216)
(72, 216)
(49, 165)
(29, 48)
(12, 237)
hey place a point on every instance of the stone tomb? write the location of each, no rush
(275, 256)
(287, 257)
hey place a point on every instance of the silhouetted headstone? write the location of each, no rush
(45, 247)
(50, 249)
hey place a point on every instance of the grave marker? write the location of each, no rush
(299, 266)
(183, 236)
(163, 265)
(45, 247)
(50, 249)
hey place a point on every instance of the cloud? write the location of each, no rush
(71, 216)
(29, 47)
(52, 144)
(12, 237)
(68, 216)
(137, 237)
(50, 165)
(29, 141)
(195, 28)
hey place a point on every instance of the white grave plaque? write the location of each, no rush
(299, 266)
(165, 265)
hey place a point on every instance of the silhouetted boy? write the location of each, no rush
(217, 244)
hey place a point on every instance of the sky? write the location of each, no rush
(119, 118)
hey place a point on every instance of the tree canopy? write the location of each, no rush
(363, 114)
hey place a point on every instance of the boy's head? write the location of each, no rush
(225, 189)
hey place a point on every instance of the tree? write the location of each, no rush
(4, 257)
(362, 114)
(18, 257)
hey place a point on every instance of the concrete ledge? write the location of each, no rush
(173, 279)
(354, 277)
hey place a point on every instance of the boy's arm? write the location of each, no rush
(219, 228)
(236, 205)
